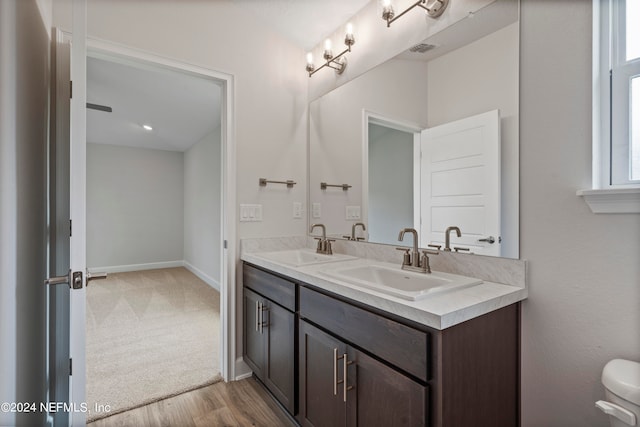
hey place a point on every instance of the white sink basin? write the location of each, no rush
(400, 283)
(302, 257)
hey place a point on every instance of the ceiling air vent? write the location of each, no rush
(422, 48)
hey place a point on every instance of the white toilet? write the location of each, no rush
(621, 379)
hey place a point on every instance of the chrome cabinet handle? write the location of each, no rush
(257, 316)
(343, 381)
(262, 323)
(335, 371)
(345, 388)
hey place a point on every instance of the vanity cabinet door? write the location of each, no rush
(279, 365)
(269, 346)
(321, 399)
(382, 396)
(254, 347)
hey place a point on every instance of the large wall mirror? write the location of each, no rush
(428, 140)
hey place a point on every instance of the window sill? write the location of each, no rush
(612, 200)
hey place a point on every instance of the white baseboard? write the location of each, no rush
(203, 276)
(137, 267)
(242, 370)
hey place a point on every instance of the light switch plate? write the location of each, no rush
(250, 213)
(316, 211)
(352, 212)
(297, 210)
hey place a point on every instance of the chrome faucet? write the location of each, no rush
(447, 237)
(353, 232)
(412, 261)
(324, 244)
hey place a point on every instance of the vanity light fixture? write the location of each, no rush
(337, 62)
(434, 9)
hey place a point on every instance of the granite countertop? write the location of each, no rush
(439, 311)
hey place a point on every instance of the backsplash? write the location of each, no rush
(491, 269)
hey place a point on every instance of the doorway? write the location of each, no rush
(156, 225)
(391, 177)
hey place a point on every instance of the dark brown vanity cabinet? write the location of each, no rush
(397, 372)
(341, 386)
(404, 374)
(270, 333)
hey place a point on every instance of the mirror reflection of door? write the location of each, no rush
(460, 174)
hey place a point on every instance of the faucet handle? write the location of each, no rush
(424, 262)
(435, 246)
(327, 248)
(406, 257)
(460, 249)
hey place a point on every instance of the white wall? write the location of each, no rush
(135, 207)
(584, 275)
(24, 90)
(202, 208)
(474, 79)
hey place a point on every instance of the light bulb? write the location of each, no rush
(147, 127)
(386, 3)
(327, 44)
(309, 58)
(349, 29)
(349, 40)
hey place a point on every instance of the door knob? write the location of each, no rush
(489, 239)
(73, 279)
(96, 276)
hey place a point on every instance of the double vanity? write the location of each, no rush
(353, 339)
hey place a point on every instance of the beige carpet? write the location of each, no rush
(150, 334)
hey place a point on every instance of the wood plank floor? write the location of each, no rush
(238, 403)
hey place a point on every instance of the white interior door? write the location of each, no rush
(68, 213)
(59, 252)
(78, 180)
(461, 183)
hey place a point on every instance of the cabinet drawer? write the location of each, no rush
(398, 344)
(275, 288)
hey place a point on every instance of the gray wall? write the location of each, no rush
(202, 208)
(390, 183)
(24, 91)
(584, 275)
(135, 206)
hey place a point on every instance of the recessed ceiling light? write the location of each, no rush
(147, 127)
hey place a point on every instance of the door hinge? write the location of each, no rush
(70, 366)
(225, 244)
(70, 89)
(70, 228)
